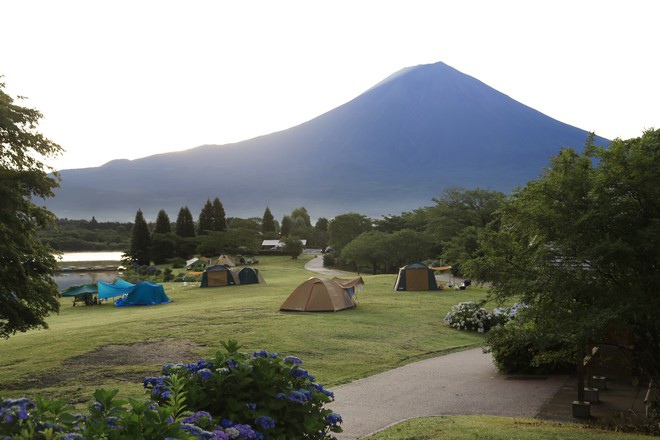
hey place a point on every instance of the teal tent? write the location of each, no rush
(141, 294)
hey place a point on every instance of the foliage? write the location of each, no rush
(387, 252)
(212, 217)
(287, 224)
(267, 388)
(185, 226)
(140, 250)
(227, 242)
(520, 347)
(468, 315)
(235, 395)
(268, 227)
(292, 246)
(218, 217)
(163, 247)
(205, 222)
(163, 225)
(346, 227)
(114, 419)
(581, 246)
(84, 235)
(27, 292)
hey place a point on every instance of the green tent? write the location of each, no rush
(84, 289)
(415, 276)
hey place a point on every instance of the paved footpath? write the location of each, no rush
(459, 383)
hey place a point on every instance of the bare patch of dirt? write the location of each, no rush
(104, 363)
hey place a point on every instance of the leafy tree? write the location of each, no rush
(268, 228)
(581, 246)
(407, 246)
(219, 220)
(163, 225)
(293, 246)
(459, 208)
(346, 227)
(300, 217)
(140, 250)
(185, 226)
(367, 249)
(28, 293)
(205, 222)
(287, 224)
(321, 224)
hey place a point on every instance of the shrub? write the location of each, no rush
(517, 347)
(468, 316)
(234, 396)
(272, 391)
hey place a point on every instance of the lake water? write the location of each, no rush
(65, 280)
(91, 256)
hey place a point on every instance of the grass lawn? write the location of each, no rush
(495, 428)
(109, 347)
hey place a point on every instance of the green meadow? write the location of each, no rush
(89, 347)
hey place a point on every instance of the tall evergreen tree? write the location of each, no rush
(219, 218)
(185, 226)
(140, 241)
(268, 224)
(205, 223)
(162, 223)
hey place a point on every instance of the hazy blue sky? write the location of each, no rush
(127, 79)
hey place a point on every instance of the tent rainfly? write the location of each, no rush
(319, 295)
(225, 260)
(85, 289)
(141, 294)
(415, 276)
(216, 276)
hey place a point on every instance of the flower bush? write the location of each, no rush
(468, 316)
(268, 390)
(233, 396)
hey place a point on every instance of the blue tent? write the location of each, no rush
(141, 294)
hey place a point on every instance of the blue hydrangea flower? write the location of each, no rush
(205, 373)
(293, 360)
(226, 423)
(265, 422)
(334, 418)
(299, 372)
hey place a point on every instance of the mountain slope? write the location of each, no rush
(391, 149)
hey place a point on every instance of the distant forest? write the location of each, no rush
(87, 235)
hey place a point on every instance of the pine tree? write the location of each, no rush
(185, 226)
(219, 219)
(268, 224)
(162, 223)
(140, 241)
(205, 223)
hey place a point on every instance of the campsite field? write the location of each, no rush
(108, 347)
